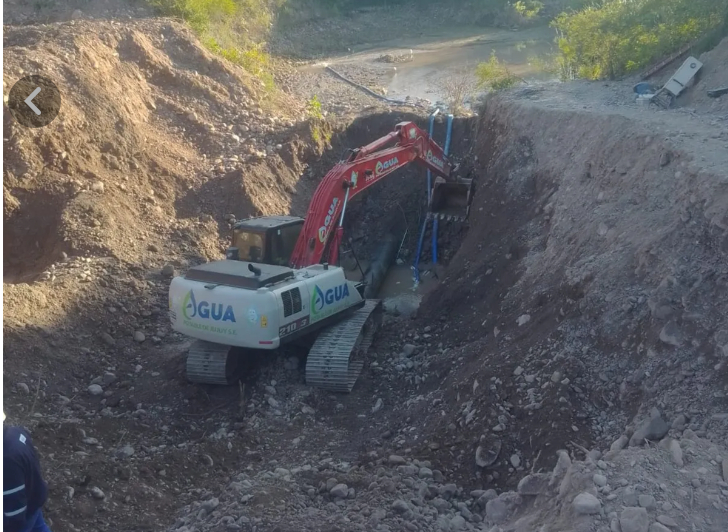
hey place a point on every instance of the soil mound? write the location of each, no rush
(148, 118)
(713, 75)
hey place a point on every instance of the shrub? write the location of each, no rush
(494, 75)
(458, 87)
(615, 38)
(313, 108)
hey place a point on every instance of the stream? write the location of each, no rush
(450, 51)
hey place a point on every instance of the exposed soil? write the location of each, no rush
(713, 75)
(584, 297)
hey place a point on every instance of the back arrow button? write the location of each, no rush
(29, 101)
(34, 101)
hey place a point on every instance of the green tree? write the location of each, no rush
(617, 37)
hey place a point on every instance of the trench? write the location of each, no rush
(546, 277)
(382, 226)
(534, 245)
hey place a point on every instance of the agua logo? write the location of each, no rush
(435, 160)
(205, 310)
(384, 166)
(324, 229)
(321, 299)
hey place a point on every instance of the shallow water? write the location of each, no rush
(440, 57)
(421, 77)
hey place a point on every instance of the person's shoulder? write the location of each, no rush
(13, 436)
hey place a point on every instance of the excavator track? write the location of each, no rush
(210, 363)
(331, 362)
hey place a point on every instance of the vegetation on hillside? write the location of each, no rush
(613, 38)
(234, 29)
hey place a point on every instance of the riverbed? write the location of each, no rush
(422, 65)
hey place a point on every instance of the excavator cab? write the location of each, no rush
(451, 199)
(265, 240)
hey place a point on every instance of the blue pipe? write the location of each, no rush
(449, 134)
(429, 173)
(435, 221)
(434, 240)
(415, 267)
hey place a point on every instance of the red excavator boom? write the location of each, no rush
(363, 168)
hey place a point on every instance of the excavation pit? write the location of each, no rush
(585, 290)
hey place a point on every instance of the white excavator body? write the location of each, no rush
(229, 303)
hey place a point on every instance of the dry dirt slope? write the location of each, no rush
(592, 280)
(147, 116)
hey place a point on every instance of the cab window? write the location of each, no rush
(284, 240)
(250, 245)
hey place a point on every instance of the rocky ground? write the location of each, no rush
(568, 373)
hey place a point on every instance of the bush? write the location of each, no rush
(615, 38)
(528, 8)
(494, 75)
(313, 108)
(457, 88)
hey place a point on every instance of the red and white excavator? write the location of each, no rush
(279, 284)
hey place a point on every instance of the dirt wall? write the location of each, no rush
(588, 289)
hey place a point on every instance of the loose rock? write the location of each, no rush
(586, 504)
(655, 428)
(340, 491)
(676, 453)
(634, 520)
(168, 270)
(667, 521)
(534, 484)
(400, 506)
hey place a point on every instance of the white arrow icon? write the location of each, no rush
(29, 100)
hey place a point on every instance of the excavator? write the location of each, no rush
(280, 282)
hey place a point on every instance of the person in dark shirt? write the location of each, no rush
(24, 490)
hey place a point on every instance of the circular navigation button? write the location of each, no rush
(34, 101)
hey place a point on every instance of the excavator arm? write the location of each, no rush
(363, 168)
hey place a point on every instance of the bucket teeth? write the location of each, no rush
(451, 200)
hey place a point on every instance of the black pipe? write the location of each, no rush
(380, 265)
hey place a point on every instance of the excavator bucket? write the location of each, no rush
(451, 200)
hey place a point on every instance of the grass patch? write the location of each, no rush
(233, 29)
(319, 132)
